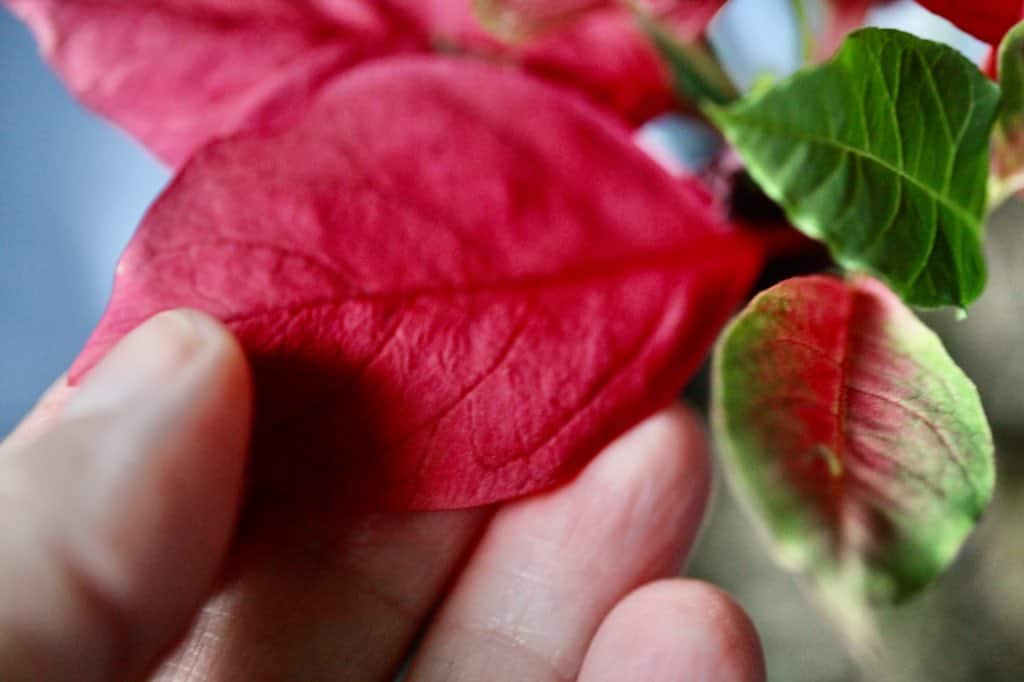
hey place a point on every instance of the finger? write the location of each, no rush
(114, 521)
(43, 414)
(318, 598)
(549, 568)
(675, 631)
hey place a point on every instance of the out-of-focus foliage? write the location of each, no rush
(964, 628)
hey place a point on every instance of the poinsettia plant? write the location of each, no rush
(457, 276)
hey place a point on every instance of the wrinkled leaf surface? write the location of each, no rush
(446, 309)
(870, 154)
(858, 443)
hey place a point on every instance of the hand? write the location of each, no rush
(118, 522)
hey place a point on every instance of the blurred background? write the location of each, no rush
(73, 188)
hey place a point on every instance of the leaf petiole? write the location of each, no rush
(696, 72)
(803, 25)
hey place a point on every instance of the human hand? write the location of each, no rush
(118, 522)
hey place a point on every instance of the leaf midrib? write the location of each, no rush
(770, 126)
(704, 255)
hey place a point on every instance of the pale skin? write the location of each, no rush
(129, 551)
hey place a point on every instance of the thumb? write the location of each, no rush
(114, 521)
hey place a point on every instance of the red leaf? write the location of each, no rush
(988, 20)
(606, 55)
(179, 73)
(442, 309)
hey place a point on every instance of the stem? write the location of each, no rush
(804, 27)
(698, 75)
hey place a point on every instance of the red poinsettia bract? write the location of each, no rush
(177, 74)
(455, 282)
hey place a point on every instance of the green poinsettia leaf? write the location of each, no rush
(856, 440)
(882, 153)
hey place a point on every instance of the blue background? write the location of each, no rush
(72, 189)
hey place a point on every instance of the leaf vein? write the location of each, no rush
(780, 129)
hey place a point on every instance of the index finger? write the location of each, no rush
(42, 414)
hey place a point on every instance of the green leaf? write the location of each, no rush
(854, 438)
(1008, 138)
(882, 153)
(696, 74)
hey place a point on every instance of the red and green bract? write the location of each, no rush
(455, 283)
(858, 441)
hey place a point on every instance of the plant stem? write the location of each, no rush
(804, 27)
(698, 76)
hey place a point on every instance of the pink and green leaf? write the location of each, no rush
(441, 310)
(1007, 169)
(858, 443)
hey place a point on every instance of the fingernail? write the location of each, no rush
(144, 361)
